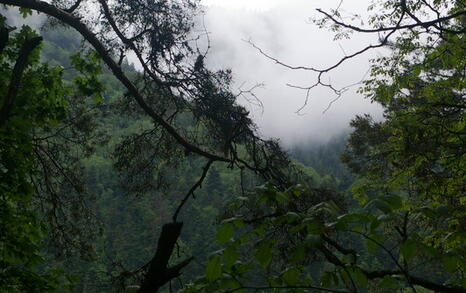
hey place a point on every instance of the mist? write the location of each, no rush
(284, 30)
(14, 18)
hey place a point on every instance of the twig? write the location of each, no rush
(193, 188)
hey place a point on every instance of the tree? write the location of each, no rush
(285, 227)
(173, 91)
(24, 109)
(408, 233)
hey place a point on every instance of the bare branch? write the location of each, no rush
(193, 188)
(412, 280)
(4, 36)
(159, 273)
(399, 26)
(76, 23)
(270, 288)
(18, 70)
(74, 6)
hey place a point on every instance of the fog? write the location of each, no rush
(283, 29)
(14, 18)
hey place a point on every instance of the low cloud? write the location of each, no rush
(15, 19)
(283, 30)
(286, 33)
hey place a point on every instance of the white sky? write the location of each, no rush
(283, 29)
(245, 4)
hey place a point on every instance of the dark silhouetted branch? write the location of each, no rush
(193, 188)
(4, 36)
(257, 288)
(20, 65)
(397, 26)
(412, 280)
(76, 23)
(159, 273)
(74, 6)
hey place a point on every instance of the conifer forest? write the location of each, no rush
(129, 164)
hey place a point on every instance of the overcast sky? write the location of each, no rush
(283, 29)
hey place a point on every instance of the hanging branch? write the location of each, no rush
(193, 188)
(77, 24)
(159, 273)
(18, 70)
(384, 41)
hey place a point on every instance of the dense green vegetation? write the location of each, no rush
(407, 231)
(93, 183)
(24, 109)
(130, 223)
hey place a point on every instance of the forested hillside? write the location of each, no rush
(155, 179)
(129, 221)
(325, 158)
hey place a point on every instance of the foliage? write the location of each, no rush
(408, 231)
(186, 111)
(49, 125)
(40, 104)
(418, 151)
(326, 160)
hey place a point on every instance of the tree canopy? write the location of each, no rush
(281, 231)
(408, 228)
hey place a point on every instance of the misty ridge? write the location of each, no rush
(232, 146)
(286, 33)
(282, 111)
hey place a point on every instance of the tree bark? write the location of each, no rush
(20, 65)
(159, 273)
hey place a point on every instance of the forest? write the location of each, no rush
(153, 177)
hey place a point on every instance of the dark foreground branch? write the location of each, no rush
(159, 273)
(193, 188)
(77, 24)
(399, 26)
(21, 64)
(412, 280)
(288, 288)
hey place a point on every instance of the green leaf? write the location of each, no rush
(214, 269)
(379, 204)
(264, 255)
(98, 99)
(450, 263)
(299, 253)
(359, 277)
(291, 276)
(371, 246)
(292, 217)
(326, 279)
(395, 202)
(229, 283)
(388, 282)
(225, 233)
(25, 12)
(329, 207)
(358, 189)
(428, 250)
(281, 197)
(375, 224)
(408, 249)
(295, 229)
(428, 212)
(313, 226)
(313, 240)
(236, 222)
(230, 255)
